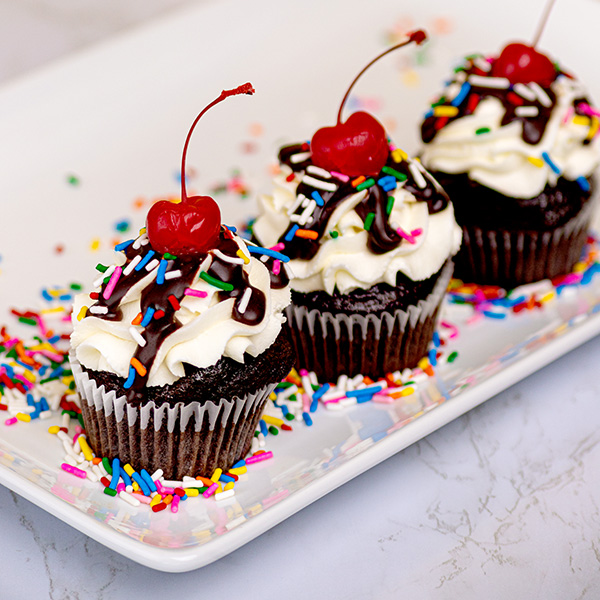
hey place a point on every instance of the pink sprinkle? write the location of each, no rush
(51, 355)
(474, 318)
(41, 325)
(211, 490)
(568, 115)
(407, 236)
(256, 458)
(334, 400)
(143, 499)
(159, 487)
(278, 247)
(73, 470)
(175, 504)
(78, 431)
(166, 491)
(306, 402)
(588, 110)
(76, 436)
(340, 176)
(416, 232)
(120, 487)
(196, 293)
(303, 373)
(570, 278)
(112, 282)
(276, 266)
(383, 399)
(11, 421)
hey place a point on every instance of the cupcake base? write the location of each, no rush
(370, 342)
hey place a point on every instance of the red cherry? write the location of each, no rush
(357, 147)
(521, 63)
(184, 229)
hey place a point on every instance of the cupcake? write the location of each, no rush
(514, 141)
(370, 236)
(178, 348)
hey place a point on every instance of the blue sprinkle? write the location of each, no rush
(65, 297)
(436, 339)
(9, 370)
(324, 388)
(145, 260)
(289, 236)
(162, 269)
(550, 162)
(226, 478)
(46, 295)
(54, 339)
(239, 464)
(130, 379)
(126, 478)
(589, 273)
(370, 391)
(307, 418)
(364, 398)
(318, 198)
(428, 114)
(462, 94)
(56, 372)
(140, 481)
(149, 481)
(268, 252)
(120, 247)
(584, 184)
(285, 410)
(35, 414)
(116, 470)
(231, 228)
(494, 315)
(432, 356)
(30, 400)
(25, 365)
(147, 317)
(314, 405)
(44, 404)
(263, 428)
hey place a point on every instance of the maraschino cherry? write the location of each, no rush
(192, 226)
(359, 146)
(521, 63)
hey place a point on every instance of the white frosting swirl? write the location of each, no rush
(208, 331)
(345, 262)
(500, 159)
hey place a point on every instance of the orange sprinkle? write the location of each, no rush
(205, 480)
(137, 320)
(138, 366)
(21, 353)
(307, 234)
(358, 180)
(96, 460)
(168, 499)
(367, 380)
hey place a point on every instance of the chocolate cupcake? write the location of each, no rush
(514, 141)
(370, 260)
(177, 350)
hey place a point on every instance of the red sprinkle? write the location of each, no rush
(290, 177)
(440, 122)
(514, 99)
(174, 302)
(159, 314)
(158, 507)
(472, 103)
(180, 492)
(105, 482)
(286, 427)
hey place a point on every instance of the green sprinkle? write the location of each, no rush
(369, 221)
(439, 101)
(482, 130)
(71, 413)
(106, 465)
(333, 234)
(80, 419)
(390, 204)
(290, 417)
(365, 184)
(110, 492)
(227, 287)
(27, 321)
(106, 280)
(399, 176)
(200, 490)
(256, 433)
(169, 256)
(100, 267)
(73, 180)
(452, 357)
(76, 286)
(122, 226)
(273, 430)
(285, 384)
(293, 398)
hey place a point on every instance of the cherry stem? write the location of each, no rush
(542, 23)
(242, 89)
(418, 37)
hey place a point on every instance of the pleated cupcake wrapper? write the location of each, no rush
(375, 344)
(512, 258)
(190, 438)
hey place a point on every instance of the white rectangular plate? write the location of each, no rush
(116, 116)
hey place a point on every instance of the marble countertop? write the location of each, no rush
(501, 503)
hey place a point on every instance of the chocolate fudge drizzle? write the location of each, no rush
(165, 298)
(315, 184)
(533, 126)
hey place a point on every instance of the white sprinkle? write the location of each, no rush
(128, 498)
(224, 495)
(358, 379)
(104, 275)
(417, 175)
(541, 94)
(341, 382)
(131, 266)
(305, 202)
(140, 241)
(299, 200)
(318, 171)
(137, 336)
(173, 274)
(238, 521)
(313, 378)
(152, 265)
(45, 414)
(320, 185)
(96, 469)
(287, 392)
(527, 111)
(236, 260)
(98, 310)
(482, 64)
(300, 157)
(243, 305)
(307, 213)
(70, 460)
(489, 82)
(172, 483)
(91, 475)
(523, 90)
(157, 474)
(264, 258)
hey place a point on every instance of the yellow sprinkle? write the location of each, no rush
(272, 420)
(128, 469)
(23, 417)
(581, 120)
(87, 451)
(219, 489)
(46, 311)
(29, 375)
(399, 155)
(407, 392)
(82, 313)
(423, 363)
(155, 500)
(547, 297)
(142, 230)
(538, 162)
(95, 244)
(216, 475)
(273, 396)
(54, 429)
(579, 267)
(445, 111)
(243, 256)
(135, 486)
(238, 471)
(191, 492)
(229, 486)
(593, 128)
